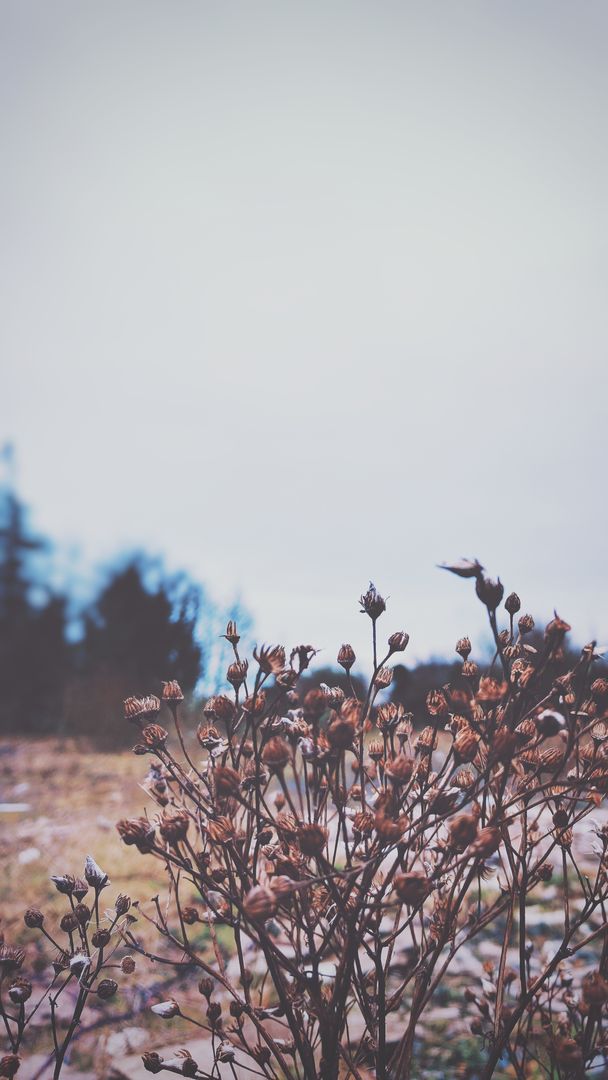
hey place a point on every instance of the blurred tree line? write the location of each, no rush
(65, 672)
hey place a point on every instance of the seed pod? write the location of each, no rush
(154, 737)
(568, 1052)
(260, 904)
(412, 888)
(33, 918)
(383, 678)
(490, 592)
(276, 754)
(470, 669)
(427, 740)
(512, 603)
(214, 1012)
(220, 707)
(94, 875)
(388, 716)
(122, 904)
(436, 703)
(363, 823)
(106, 989)
(136, 710)
(282, 887)
(463, 779)
(127, 965)
(555, 632)
(255, 704)
(166, 1009)
(463, 830)
(595, 988)
(398, 642)
(232, 635)
(271, 659)
(20, 991)
(486, 842)
(502, 745)
(551, 758)
(138, 832)
(64, 884)
(82, 913)
(220, 830)
(314, 705)
(399, 769)
(237, 673)
(372, 603)
(312, 839)
(526, 730)
(441, 802)
(174, 826)
(376, 750)
(152, 1062)
(599, 690)
(190, 915)
(227, 781)
(466, 744)
(463, 647)
(101, 938)
(346, 657)
(490, 690)
(172, 692)
(79, 963)
(340, 733)
(9, 1065)
(390, 830)
(68, 923)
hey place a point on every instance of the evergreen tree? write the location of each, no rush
(34, 654)
(140, 630)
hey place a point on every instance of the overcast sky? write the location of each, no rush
(301, 294)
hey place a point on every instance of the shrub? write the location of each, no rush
(340, 853)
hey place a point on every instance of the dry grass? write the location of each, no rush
(75, 796)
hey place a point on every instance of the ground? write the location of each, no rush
(60, 802)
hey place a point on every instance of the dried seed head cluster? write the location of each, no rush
(351, 849)
(85, 944)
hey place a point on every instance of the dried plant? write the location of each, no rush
(341, 853)
(84, 947)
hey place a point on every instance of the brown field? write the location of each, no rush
(74, 797)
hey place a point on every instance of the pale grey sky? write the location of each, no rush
(304, 294)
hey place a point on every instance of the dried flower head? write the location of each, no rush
(166, 1009)
(463, 647)
(94, 875)
(372, 603)
(174, 826)
(172, 692)
(312, 839)
(346, 657)
(232, 635)
(412, 888)
(276, 754)
(237, 673)
(260, 904)
(271, 658)
(138, 832)
(398, 642)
